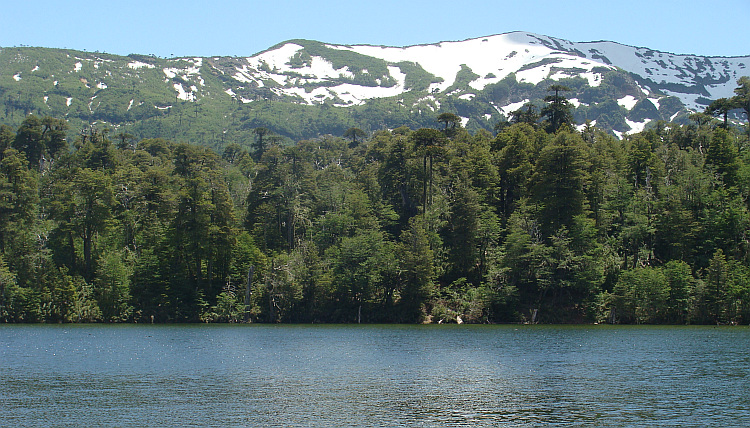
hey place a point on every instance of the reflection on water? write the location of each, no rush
(373, 376)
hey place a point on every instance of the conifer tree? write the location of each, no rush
(557, 110)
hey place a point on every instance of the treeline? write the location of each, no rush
(539, 223)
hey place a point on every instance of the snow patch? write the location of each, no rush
(171, 73)
(628, 101)
(349, 93)
(321, 68)
(242, 77)
(636, 127)
(78, 67)
(466, 97)
(182, 94)
(464, 121)
(69, 101)
(595, 79)
(582, 126)
(101, 85)
(186, 73)
(135, 65)
(510, 108)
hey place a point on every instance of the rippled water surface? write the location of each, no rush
(373, 376)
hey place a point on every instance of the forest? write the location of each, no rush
(540, 222)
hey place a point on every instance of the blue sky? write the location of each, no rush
(243, 28)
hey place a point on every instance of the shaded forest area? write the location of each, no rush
(538, 223)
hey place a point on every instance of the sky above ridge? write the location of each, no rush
(243, 28)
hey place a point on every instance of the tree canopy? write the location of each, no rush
(539, 223)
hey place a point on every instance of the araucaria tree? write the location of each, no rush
(428, 143)
(558, 108)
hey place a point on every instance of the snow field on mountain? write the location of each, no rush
(492, 58)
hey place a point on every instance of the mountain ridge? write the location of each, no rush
(493, 35)
(305, 88)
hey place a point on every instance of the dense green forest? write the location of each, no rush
(538, 223)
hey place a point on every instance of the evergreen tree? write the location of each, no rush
(721, 108)
(428, 142)
(558, 108)
(450, 121)
(353, 134)
(528, 114)
(559, 182)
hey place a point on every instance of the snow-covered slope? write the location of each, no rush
(533, 59)
(622, 89)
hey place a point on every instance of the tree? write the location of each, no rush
(54, 135)
(41, 140)
(461, 234)
(427, 142)
(701, 119)
(559, 180)
(126, 141)
(514, 157)
(557, 110)
(18, 197)
(526, 114)
(417, 265)
(92, 202)
(7, 287)
(742, 99)
(644, 295)
(29, 140)
(260, 142)
(232, 153)
(450, 121)
(7, 138)
(722, 155)
(717, 278)
(721, 108)
(353, 134)
(681, 286)
(201, 231)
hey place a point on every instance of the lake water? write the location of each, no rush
(373, 376)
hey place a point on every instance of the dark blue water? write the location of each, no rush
(373, 376)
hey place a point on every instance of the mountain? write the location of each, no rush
(303, 89)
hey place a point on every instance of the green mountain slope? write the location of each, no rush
(303, 89)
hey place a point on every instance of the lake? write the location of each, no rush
(373, 376)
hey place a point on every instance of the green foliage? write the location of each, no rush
(644, 294)
(403, 226)
(417, 79)
(558, 108)
(151, 97)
